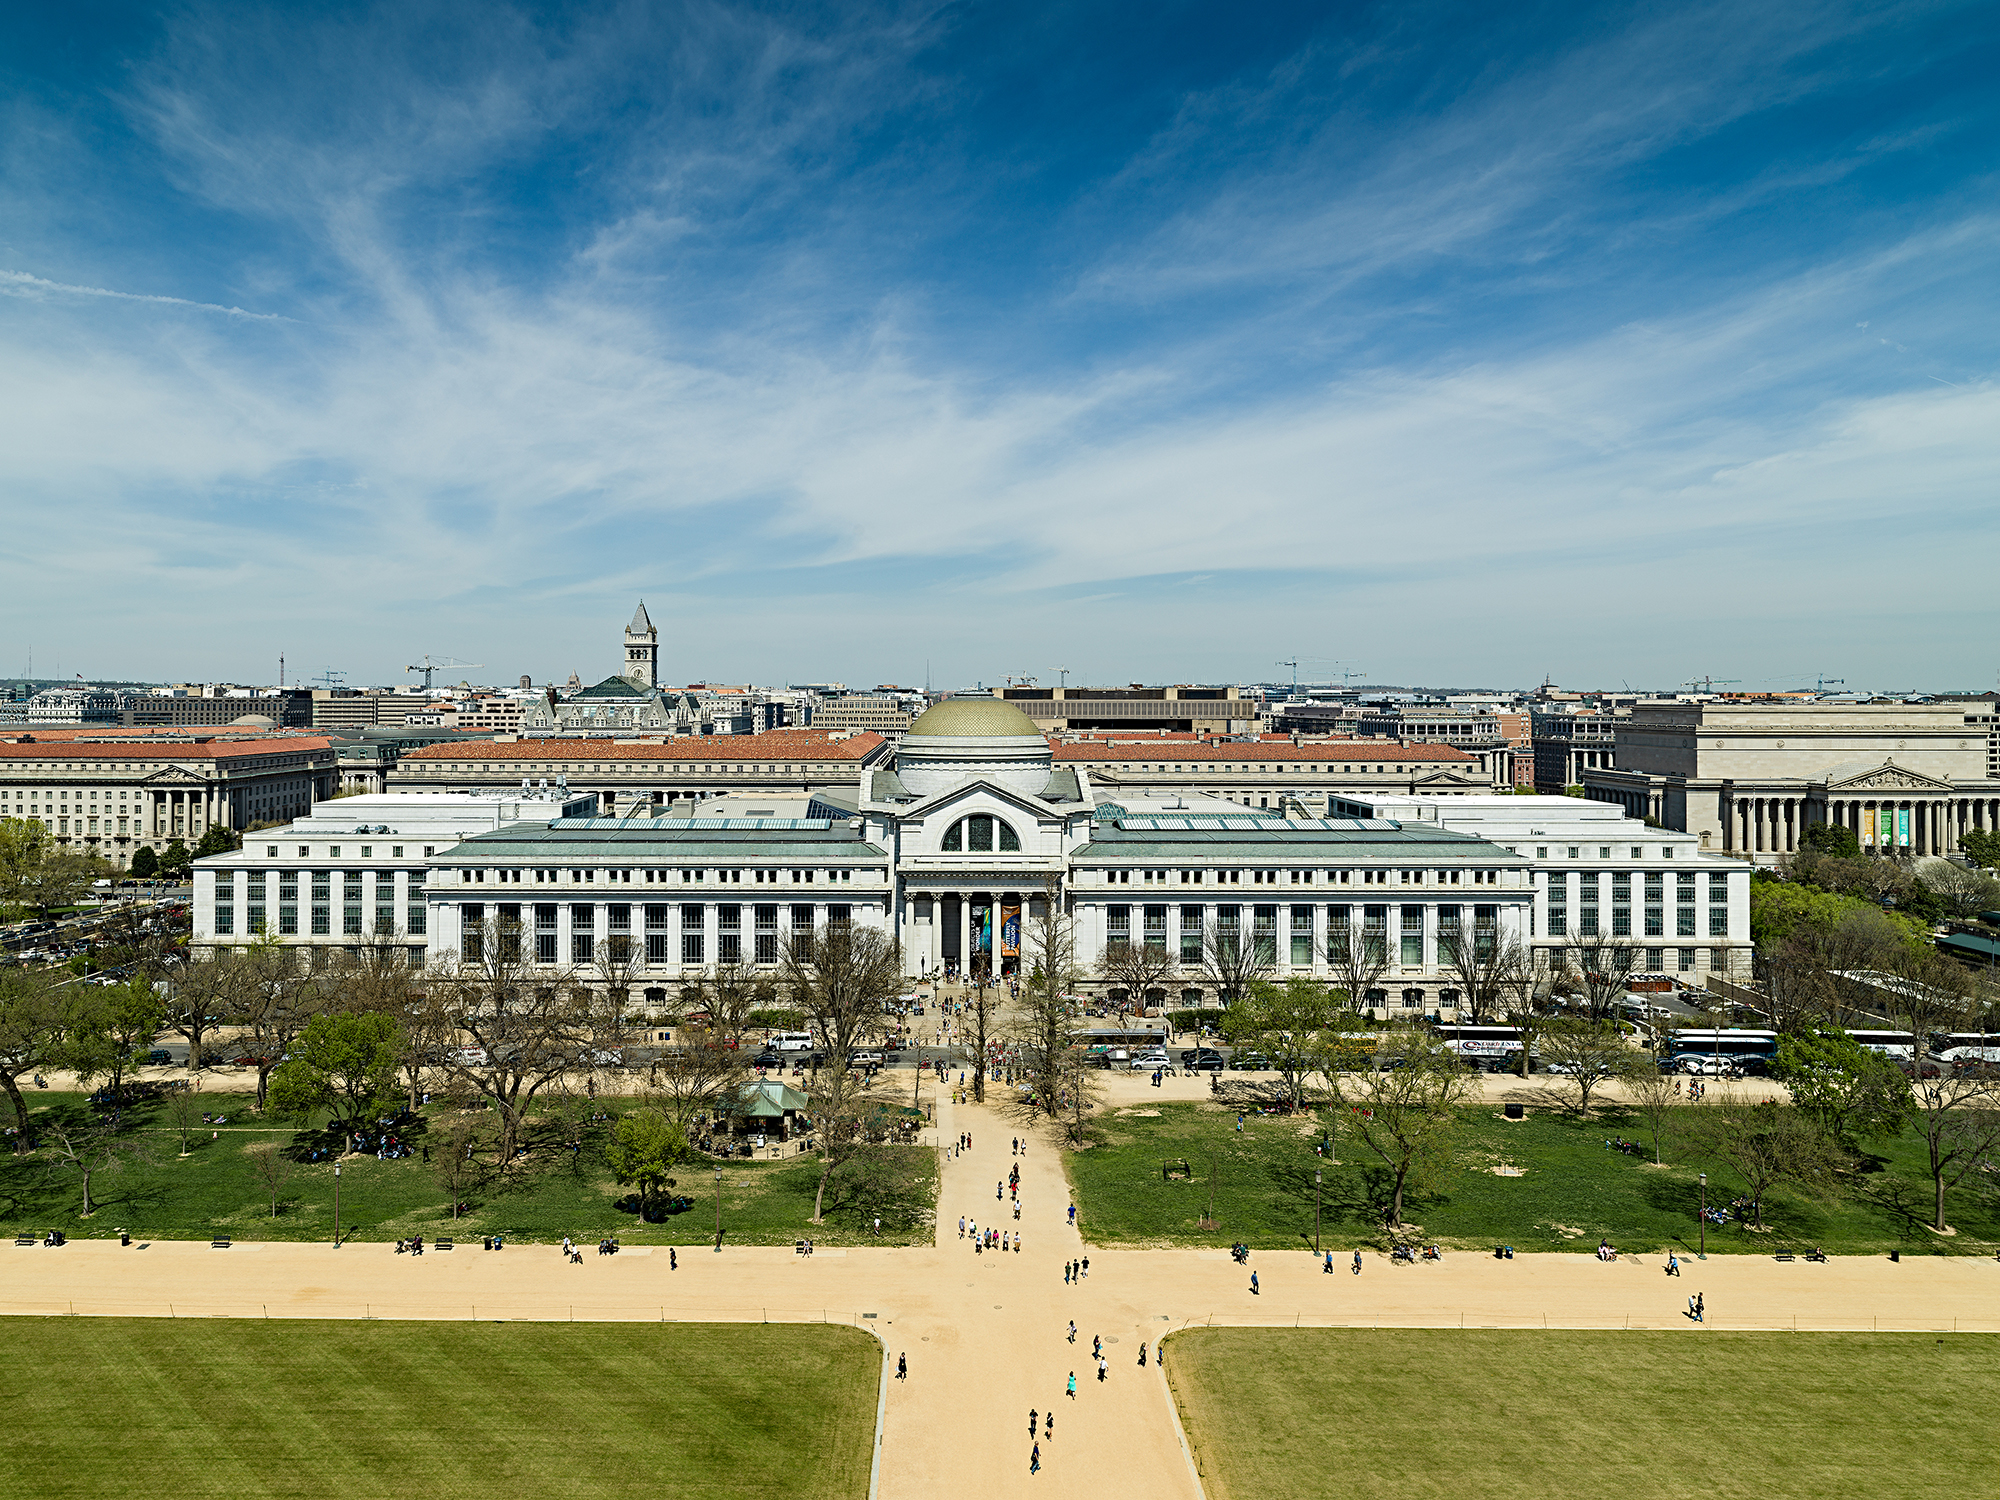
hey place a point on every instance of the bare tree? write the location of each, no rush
(1957, 1116)
(1655, 1098)
(1137, 969)
(690, 1077)
(982, 1013)
(273, 1169)
(1522, 1002)
(184, 1109)
(1766, 1144)
(1405, 1111)
(1582, 1056)
(839, 975)
(523, 1029)
(454, 1158)
(89, 1148)
(726, 997)
(1601, 966)
(273, 1001)
(1231, 962)
(1965, 893)
(1479, 970)
(1355, 964)
(201, 995)
(1046, 1017)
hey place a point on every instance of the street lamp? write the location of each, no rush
(1316, 1183)
(336, 1205)
(1703, 1252)
(718, 1210)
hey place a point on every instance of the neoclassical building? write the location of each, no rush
(1750, 778)
(951, 846)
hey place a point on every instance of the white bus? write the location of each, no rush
(1728, 1045)
(1490, 1046)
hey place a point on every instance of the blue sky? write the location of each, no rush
(1446, 343)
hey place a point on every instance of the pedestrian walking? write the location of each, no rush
(1065, 1273)
(1035, 1460)
(1142, 1354)
(1034, 1421)
(1086, 1268)
(961, 1226)
(1700, 1303)
(1357, 1263)
(1673, 1264)
(1072, 1216)
(1049, 1427)
(1072, 1381)
(1329, 1262)
(1096, 1345)
(673, 1259)
(1253, 1284)
(1072, 1330)
(1017, 1242)
(902, 1367)
(1103, 1366)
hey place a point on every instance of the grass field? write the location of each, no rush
(1571, 1190)
(308, 1409)
(1641, 1416)
(552, 1192)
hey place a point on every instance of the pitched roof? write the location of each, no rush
(779, 744)
(1338, 750)
(641, 623)
(611, 687)
(14, 751)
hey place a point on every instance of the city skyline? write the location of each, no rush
(1443, 346)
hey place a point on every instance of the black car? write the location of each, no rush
(768, 1060)
(1202, 1059)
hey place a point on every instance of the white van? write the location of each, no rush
(792, 1041)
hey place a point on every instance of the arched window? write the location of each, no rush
(981, 834)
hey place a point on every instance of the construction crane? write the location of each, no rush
(1709, 684)
(331, 678)
(1294, 665)
(439, 665)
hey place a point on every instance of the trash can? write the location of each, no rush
(1516, 1111)
(124, 1236)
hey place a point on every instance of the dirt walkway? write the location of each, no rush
(985, 1333)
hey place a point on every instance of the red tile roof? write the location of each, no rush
(779, 744)
(1312, 750)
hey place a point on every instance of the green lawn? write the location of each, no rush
(553, 1192)
(1571, 1191)
(113, 1406)
(1641, 1416)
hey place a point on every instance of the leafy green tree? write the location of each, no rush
(110, 1029)
(645, 1148)
(217, 840)
(1767, 1144)
(1981, 847)
(1405, 1111)
(1831, 838)
(1855, 1094)
(346, 1063)
(145, 863)
(33, 1025)
(23, 844)
(175, 859)
(1290, 1024)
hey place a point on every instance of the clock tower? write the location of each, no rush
(642, 650)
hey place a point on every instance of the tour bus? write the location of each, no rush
(1491, 1047)
(1750, 1051)
(1970, 1049)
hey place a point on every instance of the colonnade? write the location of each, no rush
(1774, 825)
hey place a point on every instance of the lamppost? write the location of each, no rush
(336, 1205)
(1703, 1252)
(718, 1210)
(1316, 1183)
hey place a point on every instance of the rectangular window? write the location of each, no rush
(657, 914)
(729, 919)
(1302, 936)
(1156, 928)
(1264, 933)
(1718, 888)
(767, 947)
(1558, 922)
(1448, 934)
(1718, 921)
(545, 917)
(350, 917)
(1686, 960)
(288, 920)
(1412, 953)
(545, 947)
(416, 918)
(1191, 934)
(582, 947)
(839, 916)
(1656, 921)
(728, 948)
(1684, 921)
(693, 918)
(288, 886)
(1485, 930)
(225, 920)
(322, 920)
(583, 917)
(691, 948)
(1621, 921)
(1118, 924)
(802, 919)
(657, 947)
(1375, 933)
(618, 918)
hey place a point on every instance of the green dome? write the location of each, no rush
(974, 718)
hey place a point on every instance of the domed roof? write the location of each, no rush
(255, 721)
(974, 718)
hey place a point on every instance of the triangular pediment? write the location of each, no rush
(972, 791)
(1887, 777)
(174, 776)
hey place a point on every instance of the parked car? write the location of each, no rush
(1250, 1062)
(791, 1041)
(864, 1057)
(159, 1057)
(1145, 1062)
(1203, 1060)
(767, 1060)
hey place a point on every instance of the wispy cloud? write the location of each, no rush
(21, 284)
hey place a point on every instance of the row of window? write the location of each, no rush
(1372, 930)
(1303, 877)
(319, 916)
(1589, 882)
(333, 851)
(489, 875)
(1588, 922)
(618, 944)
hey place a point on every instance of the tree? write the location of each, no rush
(145, 863)
(175, 859)
(523, 1030)
(688, 1078)
(1981, 846)
(1963, 893)
(1852, 1091)
(1655, 1097)
(839, 976)
(1831, 838)
(1137, 969)
(183, 1109)
(1480, 970)
(1046, 1017)
(1289, 1023)
(24, 843)
(34, 1024)
(454, 1158)
(108, 1029)
(1582, 1056)
(1957, 1116)
(89, 1148)
(1355, 964)
(1766, 1144)
(1601, 965)
(1229, 962)
(1405, 1111)
(728, 996)
(200, 995)
(274, 1001)
(346, 1063)
(273, 1169)
(217, 840)
(1522, 1003)
(645, 1147)
(53, 877)
(982, 1011)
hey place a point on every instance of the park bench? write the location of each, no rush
(1784, 1255)
(220, 1242)
(440, 1244)
(24, 1239)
